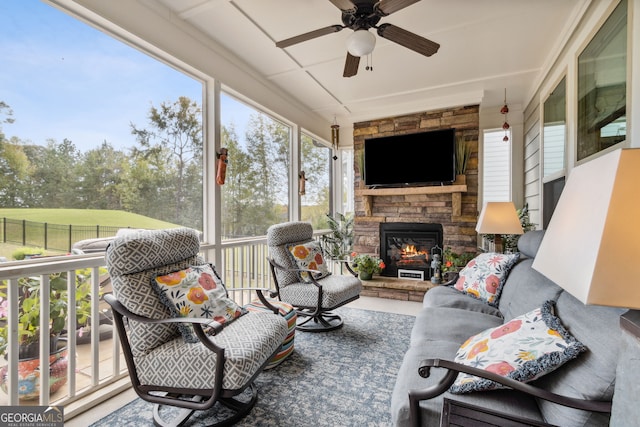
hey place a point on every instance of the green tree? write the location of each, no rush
(102, 170)
(175, 134)
(15, 170)
(6, 111)
(236, 192)
(55, 179)
(146, 187)
(316, 160)
(267, 148)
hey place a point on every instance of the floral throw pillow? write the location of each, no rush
(524, 349)
(484, 276)
(308, 256)
(196, 292)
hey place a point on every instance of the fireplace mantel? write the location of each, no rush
(454, 206)
(456, 191)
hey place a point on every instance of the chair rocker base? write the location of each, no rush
(240, 410)
(311, 321)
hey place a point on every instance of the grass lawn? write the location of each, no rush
(75, 217)
(110, 218)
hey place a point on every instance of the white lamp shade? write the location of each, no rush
(499, 218)
(592, 243)
(361, 43)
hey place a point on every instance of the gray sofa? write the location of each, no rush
(449, 317)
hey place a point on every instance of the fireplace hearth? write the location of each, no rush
(406, 248)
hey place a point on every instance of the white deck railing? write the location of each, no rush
(41, 269)
(99, 364)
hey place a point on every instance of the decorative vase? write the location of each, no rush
(29, 375)
(461, 179)
(365, 275)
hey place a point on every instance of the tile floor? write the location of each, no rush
(121, 399)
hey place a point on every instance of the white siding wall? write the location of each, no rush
(532, 184)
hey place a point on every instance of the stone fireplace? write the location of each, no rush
(406, 248)
(452, 207)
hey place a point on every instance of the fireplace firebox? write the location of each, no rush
(406, 248)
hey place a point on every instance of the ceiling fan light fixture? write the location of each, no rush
(361, 43)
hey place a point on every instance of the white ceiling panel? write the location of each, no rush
(486, 46)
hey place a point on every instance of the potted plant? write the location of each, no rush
(453, 262)
(360, 161)
(463, 153)
(29, 291)
(337, 245)
(366, 265)
(511, 240)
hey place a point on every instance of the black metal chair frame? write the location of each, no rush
(453, 368)
(189, 399)
(313, 318)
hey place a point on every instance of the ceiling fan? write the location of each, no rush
(360, 16)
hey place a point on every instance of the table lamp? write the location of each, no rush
(592, 243)
(591, 250)
(499, 218)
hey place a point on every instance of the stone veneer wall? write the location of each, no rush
(459, 231)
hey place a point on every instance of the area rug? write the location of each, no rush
(338, 378)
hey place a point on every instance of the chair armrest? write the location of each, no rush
(261, 297)
(197, 323)
(453, 368)
(346, 264)
(452, 281)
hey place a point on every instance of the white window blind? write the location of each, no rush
(496, 170)
(554, 135)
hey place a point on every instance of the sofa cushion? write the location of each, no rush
(522, 349)
(448, 296)
(524, 290)
(529, 243)
(484, 276)
(592, 375)
(450, 324)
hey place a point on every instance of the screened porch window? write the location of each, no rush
(256, 190)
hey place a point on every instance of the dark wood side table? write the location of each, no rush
(460, 414)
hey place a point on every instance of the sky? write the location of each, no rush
(65, 79)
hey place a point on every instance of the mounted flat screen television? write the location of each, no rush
(424, 158)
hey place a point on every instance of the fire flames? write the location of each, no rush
(411, 255)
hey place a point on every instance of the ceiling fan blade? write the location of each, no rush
(351, 65)
(408, 39)
(308, 36)
(387, 7)
(344, 5)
